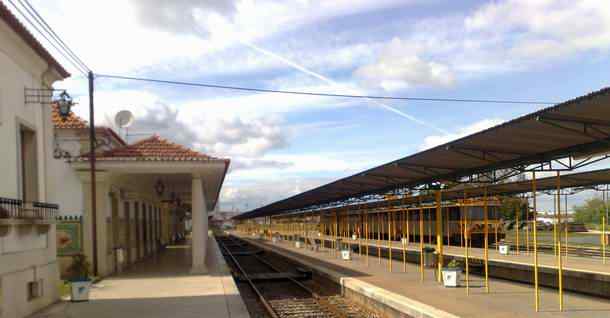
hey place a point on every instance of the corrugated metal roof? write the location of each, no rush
(572, 128)
(574, 180)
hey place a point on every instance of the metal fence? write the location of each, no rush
(19, 209)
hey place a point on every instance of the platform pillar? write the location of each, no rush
(200, 227)
(439, 236)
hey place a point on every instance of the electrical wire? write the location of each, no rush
(67, 53)
(50, 30)
(44, 35)
(262, 90)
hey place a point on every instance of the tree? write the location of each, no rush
(590, 212)
(510, 204)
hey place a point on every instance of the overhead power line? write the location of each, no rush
(28, 17)
(63, 44)
(262, 90)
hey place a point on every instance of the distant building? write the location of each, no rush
(28, 264)
(222, 219)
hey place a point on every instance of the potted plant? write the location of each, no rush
(452, 273)
(346, 254)
(80, 281)
(504, 248)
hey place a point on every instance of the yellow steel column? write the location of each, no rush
(566, 226)
(421, 240)
(347, 231)
(603, 239)
(379, 225)
(496, 222)
(404, 240)
(535, 231)
(366, 236)
(466, 247)
(335, 233)
(603, 234)
(486, 240)
(559, 263)
(390, 237)
(448, 231)
(527, 231)
(408, 227)
(517, 212)
(462, 229)
(360, 232)
(555, 225)
(439, 237)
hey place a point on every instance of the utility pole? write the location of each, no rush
(92, 146)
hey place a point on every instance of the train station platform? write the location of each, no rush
(587, 275)
(405, 293)
(162, 286)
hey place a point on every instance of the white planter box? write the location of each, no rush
(80, 290)
(354, 237)
(346, 255)
(298, 244)
(504, 249)
(451, 277)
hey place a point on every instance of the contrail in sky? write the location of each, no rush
(331, 82)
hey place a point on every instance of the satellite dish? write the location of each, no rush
(123, 119)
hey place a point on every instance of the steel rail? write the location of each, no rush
(322, 302)
(263, 300)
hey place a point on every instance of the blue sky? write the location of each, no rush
(281, 145)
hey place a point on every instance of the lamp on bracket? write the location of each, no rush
(159, 187)
(64, 103)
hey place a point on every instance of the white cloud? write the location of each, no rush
(221, 134)
(546, 29)
(247, 196)
(400, 66)
(179, 16)
(436, 140)
(498, 37)
(240, 137)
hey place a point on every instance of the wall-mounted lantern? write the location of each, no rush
(159, 187)
(64, 102)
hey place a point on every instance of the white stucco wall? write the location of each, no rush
(25, 253)
(65, 186)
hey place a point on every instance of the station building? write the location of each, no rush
(146, 194)
(28, 264)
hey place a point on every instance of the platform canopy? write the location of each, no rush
(577, 129)
(581, 181)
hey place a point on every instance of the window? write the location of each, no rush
(34, 289)
(28, 162)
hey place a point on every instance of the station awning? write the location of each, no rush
(575, 180)
(577, 128)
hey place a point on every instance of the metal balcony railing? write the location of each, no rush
(18, 209)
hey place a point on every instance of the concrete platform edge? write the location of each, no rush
(235, 303)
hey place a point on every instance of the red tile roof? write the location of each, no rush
(76, 122)
(72, 121)
(154, 148)
(7, 16)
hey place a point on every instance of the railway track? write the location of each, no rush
(282, 290)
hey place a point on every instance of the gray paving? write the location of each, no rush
(162, 287)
